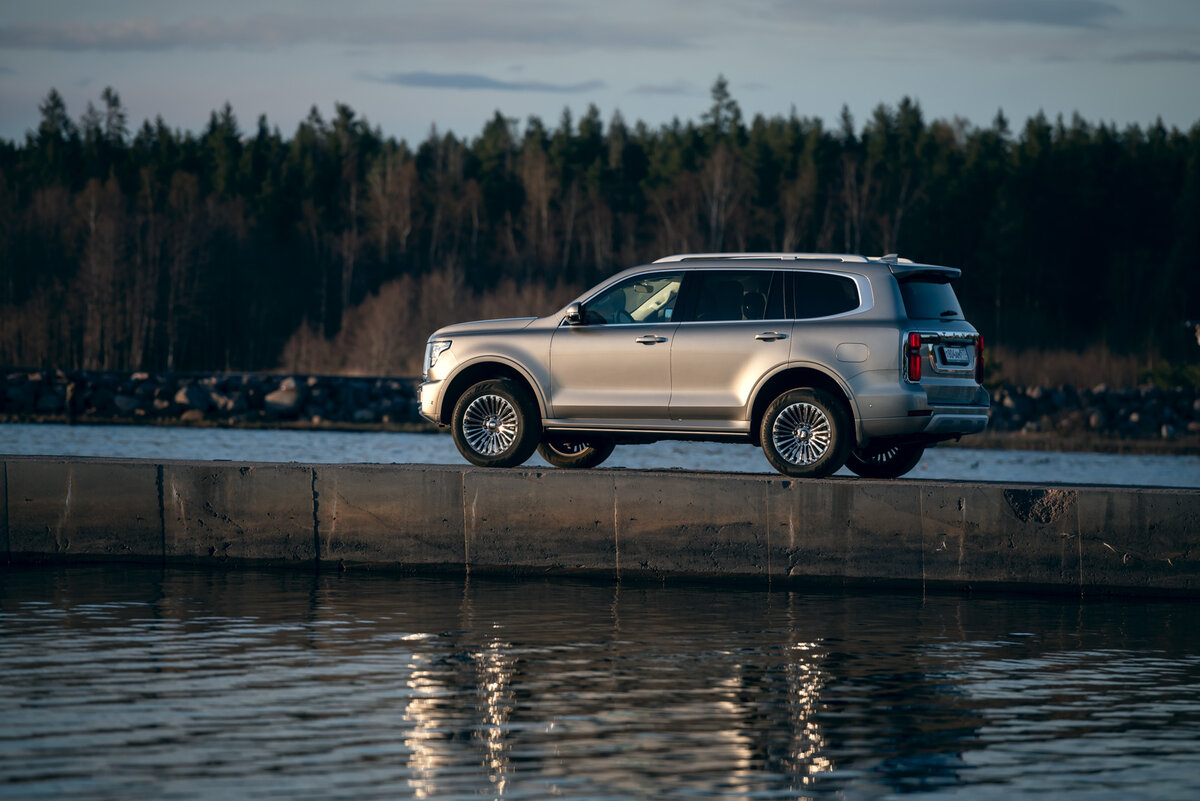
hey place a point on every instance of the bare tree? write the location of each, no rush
(721, 188)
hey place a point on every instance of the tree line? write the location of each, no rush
(339, 248)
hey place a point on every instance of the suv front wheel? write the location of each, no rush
(496, 424)
(805, 433)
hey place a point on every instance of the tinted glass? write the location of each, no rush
(640, 299)
(822, 294)
(729, 295)
(925, 300)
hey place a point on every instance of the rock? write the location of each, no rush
(22, 397)
(126, 404)
(1097, 420)
(223, 403)
(49, 402)
(363, 416)
(1193, 427)
(284, 400)
(192, 416)
(160, 405)
(194, 396)
(1167, 431)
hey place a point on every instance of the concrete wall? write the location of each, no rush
(605, 523)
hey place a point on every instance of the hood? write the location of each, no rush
(484, 327)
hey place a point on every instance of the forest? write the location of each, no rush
(339, 249)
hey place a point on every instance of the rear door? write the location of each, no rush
(733, 330)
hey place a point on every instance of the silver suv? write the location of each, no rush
(822, 359)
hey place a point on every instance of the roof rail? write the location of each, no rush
(780, 256)
(894, 258)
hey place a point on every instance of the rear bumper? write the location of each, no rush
(936, 422)
(888, 411)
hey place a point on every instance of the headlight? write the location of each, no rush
(432, 350)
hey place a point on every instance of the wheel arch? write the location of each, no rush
(477, 371)
(797, 377)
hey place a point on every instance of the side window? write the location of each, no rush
(639, 299)
(823, 294)
(728, 295)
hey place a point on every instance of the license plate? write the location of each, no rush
(956, 355)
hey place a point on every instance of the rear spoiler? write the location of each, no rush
(924, 272)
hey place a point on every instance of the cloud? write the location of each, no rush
(1056, 13)
(674, 88)
(469, 82)
(446, 24)
(1158, 57)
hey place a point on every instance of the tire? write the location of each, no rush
(496, 424)
(576, 453)
(805, 433)
(887, 461)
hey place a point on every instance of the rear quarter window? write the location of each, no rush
(929, 300)
(823, 295)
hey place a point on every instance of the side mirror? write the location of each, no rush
(574, 314)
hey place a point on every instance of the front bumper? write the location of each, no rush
(428, 395)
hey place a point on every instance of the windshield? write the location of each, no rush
(926, 300)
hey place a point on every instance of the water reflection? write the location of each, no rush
(143, 684)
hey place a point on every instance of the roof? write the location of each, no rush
(900, 267)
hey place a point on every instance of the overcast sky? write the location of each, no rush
(451, 63)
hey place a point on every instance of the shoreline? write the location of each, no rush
(1135, 420)
(989, 440)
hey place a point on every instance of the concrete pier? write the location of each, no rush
(604, 523)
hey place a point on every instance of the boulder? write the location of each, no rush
(194, 396)
(49, 402)
(285, 400)
(126, 404)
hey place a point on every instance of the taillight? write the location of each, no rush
(914, 356)
(979, 360)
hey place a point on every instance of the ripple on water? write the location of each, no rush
(129, 683)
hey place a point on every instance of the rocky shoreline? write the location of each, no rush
(231, 399)
(1067, 418)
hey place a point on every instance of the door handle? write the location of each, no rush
(649, 340)
(770, 336)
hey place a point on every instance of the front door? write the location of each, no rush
(616, 365)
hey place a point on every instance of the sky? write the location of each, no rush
(408, 66)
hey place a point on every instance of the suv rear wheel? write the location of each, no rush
(496, 424)
(574, 452)
(887, 461)
(805, 433)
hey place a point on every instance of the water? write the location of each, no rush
(153, 442)
(122, 683)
